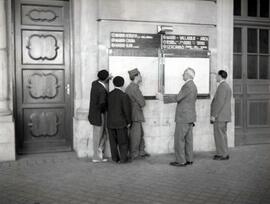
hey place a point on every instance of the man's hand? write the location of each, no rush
(212, 119)
(159, 96)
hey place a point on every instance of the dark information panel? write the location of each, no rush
(193, 42)
(134, 40)
(145, 41)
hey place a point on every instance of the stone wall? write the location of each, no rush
(99, 18)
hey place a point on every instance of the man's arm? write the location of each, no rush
(102, 101)
(173, 98)
(126, 108)
(185, 91)
(138, 97)
(219, 101)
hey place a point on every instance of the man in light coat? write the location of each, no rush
(137, 144)
(185, 118)
(221, 115)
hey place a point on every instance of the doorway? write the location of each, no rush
(42, 76)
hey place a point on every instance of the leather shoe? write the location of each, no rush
(125, 162)
(145, 155)
(177, 164)
(189, 162)
(221, 157)
(224, 158)
(216, 157)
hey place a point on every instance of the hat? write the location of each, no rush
(103, 74)
(118, 81)
(133, 72)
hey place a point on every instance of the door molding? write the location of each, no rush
(67, 40)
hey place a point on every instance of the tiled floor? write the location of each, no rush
(62, 178)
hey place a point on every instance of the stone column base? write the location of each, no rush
(7, 139)
(82, 137)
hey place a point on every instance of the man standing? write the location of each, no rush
(221, 115)
(185, 117)
(137, 144)
(97, 114)
(119, 119)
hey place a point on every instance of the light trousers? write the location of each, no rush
(221, 141)
(100, 134)
(137, 143)
(183, 142)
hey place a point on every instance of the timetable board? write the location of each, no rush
(121, 63)
(176, 53)
(174, 68)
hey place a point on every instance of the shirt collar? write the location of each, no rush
(102, 84)
(221, 81)
(188, 81)
(118, 88)
(135, 84)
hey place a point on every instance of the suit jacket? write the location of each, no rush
(119, 109)
(221, 103)
(137, 102)
(186, 103)
(98, 103)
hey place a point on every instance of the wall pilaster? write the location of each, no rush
(4, 103)
(85, 30)
(225, 50)
(7, 132)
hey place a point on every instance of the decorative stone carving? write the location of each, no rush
(42, 47)
(43, 124)
(43, 86)
(40, 15)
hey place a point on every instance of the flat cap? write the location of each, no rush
(103, 74)
(118, 81)
(133, 72)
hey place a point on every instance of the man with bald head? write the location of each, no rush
(185, 117)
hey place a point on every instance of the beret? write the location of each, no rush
(103, 74)
(118, 81)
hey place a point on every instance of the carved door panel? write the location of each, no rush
(43, 97)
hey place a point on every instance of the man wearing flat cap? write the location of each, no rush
(137, 145)
(119, 119)
(97, 114)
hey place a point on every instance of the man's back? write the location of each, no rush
(186, 100)
(119, 109)
(98, 103)
(221, 103)
(137, 102)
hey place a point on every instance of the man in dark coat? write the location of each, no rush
(119, 119)
(137, 144)
(185, 118)
(221, 115)
(97, 114)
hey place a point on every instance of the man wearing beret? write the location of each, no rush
(137, 144)
(119, 119)
(97, 114)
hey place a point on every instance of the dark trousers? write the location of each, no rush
(119, 144)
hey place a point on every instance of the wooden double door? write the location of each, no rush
(42, 76)
(252, 84)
